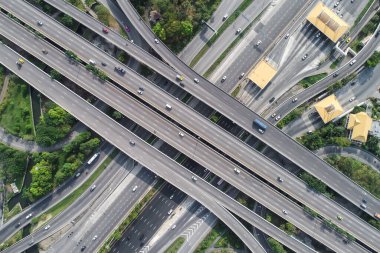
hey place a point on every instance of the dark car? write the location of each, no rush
(335, 74)
(272, 99)
(83, 248)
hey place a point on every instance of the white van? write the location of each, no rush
(92, 62)
(169, 107)
(134, 188)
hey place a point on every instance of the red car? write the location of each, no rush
(105, 30)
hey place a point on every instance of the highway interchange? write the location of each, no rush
(203, 154)
(303, 194)
(223, 103)
(200, 148)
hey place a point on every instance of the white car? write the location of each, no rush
(261, 131)
(241, 75)
(47, 227)
(273, 115)
(140, 92)
(294, 100)
(92, 62)
(305, 56)
(196, 80)
(156, 41)
(258, 43)
(39, 22)
(278, 117)
(287, 35)
(318, 35)
(194, 178)
(171, 197)
(95, 237)
(352, 99)
(284, 211)
(225, 17)
(134, 188)
(237, 170)
(336, 4)
(224, 78)
(174, 226)
(352, 62)
(92, 188)
(29, 216)
(181, 134)
(238, 30)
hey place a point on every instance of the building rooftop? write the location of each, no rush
(360, 124)
(329, 108)
(326, 21)
(262, 74)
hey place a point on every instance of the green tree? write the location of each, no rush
(187, 28)
(89, 146)
(67, 21)
(373, 60)
(276, 246)
(313, 182)
(117, 115)
(55, 75)
(42, 178)
(289, 228)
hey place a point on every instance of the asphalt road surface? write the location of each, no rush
(231, 108)
(162, 166)
(206, 153)
(332, 213)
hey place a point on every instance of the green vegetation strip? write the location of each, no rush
(220, 31)
(236, 91)
(357, 20)
(176, 245)
(310, 80)
(15, 238)
(229, 48)
(293, 115)
(210, 238)
(117, 234)
(59, 207)
(276, 246)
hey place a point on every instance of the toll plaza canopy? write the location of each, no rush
(262, 74)
(326, 21)
(329, 108)
(360, 123)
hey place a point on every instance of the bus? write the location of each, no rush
(93, 158)
(260, 124)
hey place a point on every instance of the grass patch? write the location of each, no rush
(220, 31)
(105, 17)
(228, 240)
(365, 9)
(15, 238)
(176, 245)
(15, 111)
(2, 76)
(310, 80)
(359, 172)
(293, 115)
(236, 91)
(59, 207)
(215, 117)
(335, 63)
(117, 234)
(77, 3)
(210, 238)
(8, 214)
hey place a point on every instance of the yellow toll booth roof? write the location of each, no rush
(327, 22)
(329, 108)
(360, 123)
(262, 74)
